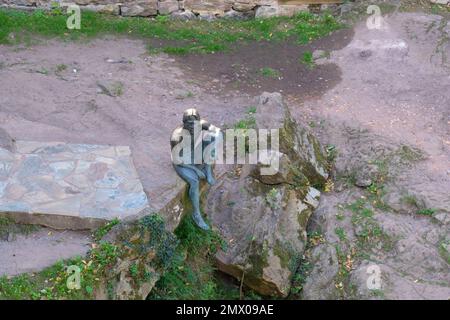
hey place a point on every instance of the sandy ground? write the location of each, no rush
(376, 91)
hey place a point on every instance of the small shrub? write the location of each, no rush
(426, 212)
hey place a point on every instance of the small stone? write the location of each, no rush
(207, 16)
(346, 7)
(266, 12)
(141, 9)
(442, 217)
(167, 6)
(365, 53)
(236, 15)
(112, 8)
(183, 15)
(243, 6)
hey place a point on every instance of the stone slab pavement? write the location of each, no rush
(69, 186)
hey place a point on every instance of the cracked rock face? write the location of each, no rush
(263, 218)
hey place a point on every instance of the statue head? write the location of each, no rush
(190, 116)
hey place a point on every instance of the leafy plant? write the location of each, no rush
(340, 232)
(103, 230)
(269, 72)
(426, 212)
(307, 59)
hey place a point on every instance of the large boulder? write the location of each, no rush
(263, 218)
(303, 149)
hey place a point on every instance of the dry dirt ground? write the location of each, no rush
(370, 94)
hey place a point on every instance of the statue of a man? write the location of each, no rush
(188, 143)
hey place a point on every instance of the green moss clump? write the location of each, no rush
(258, 258)
(103, 230)
(289, 258)
(8, 226)
(443, 251)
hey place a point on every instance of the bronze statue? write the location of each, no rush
(188, 143)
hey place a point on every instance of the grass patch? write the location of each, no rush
(270, 73)
(103, 230)
(117, 89)
(251, 110)
(307, 59)
(344, 289)
(411, 200)
(340, 232)
(187, 94)
(112, 89)
(189, 36)
(368, 232)
(426, 212)
(248, 123)
(332, 153)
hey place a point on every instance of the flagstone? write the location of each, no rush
(53, 183)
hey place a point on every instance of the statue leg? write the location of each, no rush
(207, 168)
(209, 174)
(193, 180)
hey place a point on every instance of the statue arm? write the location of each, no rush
(199, 172)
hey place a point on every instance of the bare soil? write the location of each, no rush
(241, 68)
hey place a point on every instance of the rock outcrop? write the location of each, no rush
(144, 250)
(263, 218)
